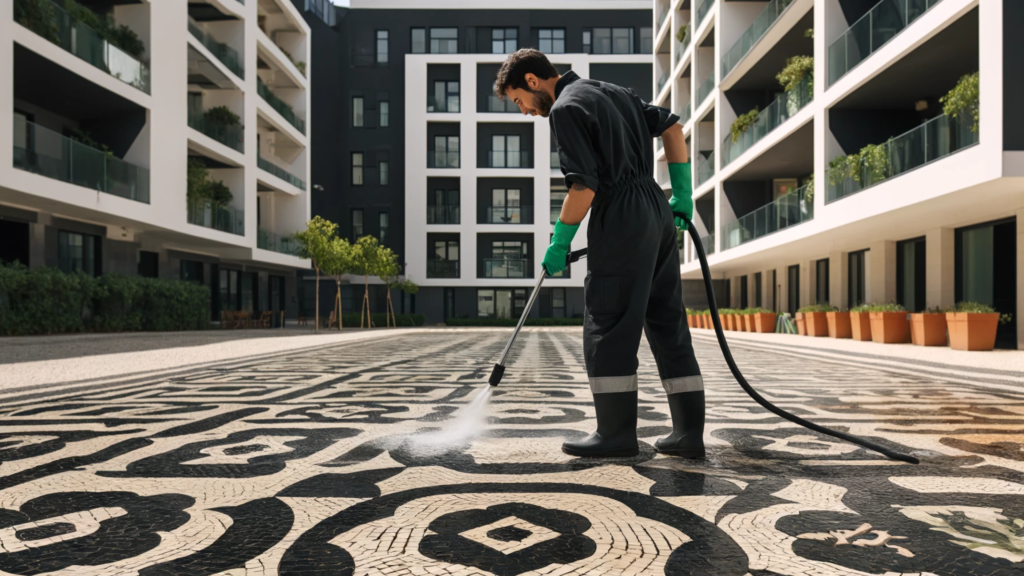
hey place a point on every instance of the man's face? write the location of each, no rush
(533, 102)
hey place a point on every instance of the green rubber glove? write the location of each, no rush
(554, 258)
(682, 192)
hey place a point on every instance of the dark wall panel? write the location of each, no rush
(635, 76)
(745, 197)
(855, 129)
(1013, 75)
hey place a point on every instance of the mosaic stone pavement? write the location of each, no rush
(311, 463)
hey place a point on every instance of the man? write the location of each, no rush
(604, 135)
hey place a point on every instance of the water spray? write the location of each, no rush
(499, 368)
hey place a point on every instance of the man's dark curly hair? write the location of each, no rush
(520, 63)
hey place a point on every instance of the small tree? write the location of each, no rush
(314, 243)
(388, 271)
(365, 258)
(337, 261)
(407, 286)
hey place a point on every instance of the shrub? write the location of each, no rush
(221, 116)
(979, 308)
(513, 322)
(39, 17)
(818, 308)
(796, 68)
(741, 123)
(888, 307)
(752, 311)
(121, 36)
(964, 99)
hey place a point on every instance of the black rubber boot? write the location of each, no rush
(687, 437)
(616, 428)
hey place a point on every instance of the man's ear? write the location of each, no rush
(532, 81)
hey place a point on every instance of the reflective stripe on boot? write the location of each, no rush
(687, 437)
(616, 428)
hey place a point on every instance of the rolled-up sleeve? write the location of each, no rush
(577, 155)
(658, 119)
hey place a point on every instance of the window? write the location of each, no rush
(442, 257)
(821, 281)
(382, 167)
(646, 40)
(382, 47)
(419, 40)
(382, 223)
(503, 40)
(608, 41)
(558, 302)
(357, 168)
(229, 289)
(744, 288)
(446, 152)
(446, 97)
(910, 274)
(500, 302)
(357, 223)
(385, 113)
(856, 279)
(758, 286)
(508, 260)
(505, 152)
(506, 207)
(149, 264)
(552, 40)
(622, 41)
(357, 111)
(192, 271)
(443, 207)
(444, 40)
(793, 287)
(558, 194)
(588, 42)
(78, 252)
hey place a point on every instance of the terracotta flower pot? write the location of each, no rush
(690, 320)
(889, 327)
(801, 326)
(928, 329)
(727, 321)
(706, 322)
(839, 325)
(817, 324)
(700, 321)
(748, 323)
(860, 326)
(764, 322)
(972, 331)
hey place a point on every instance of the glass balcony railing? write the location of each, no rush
(507, 268)
(226, 54)
(85, 43)
(437, 159)
(929, 142)
(705, 89)
(495, 104)
(757, 29)
(556, 164)
(510, 159)
(789, 210)
(780, 110)
(708, 242)
(47, 153)
(443, 215)
(702, 11)
(681, 48)
(207, 215)
(442, 268)
(449, 104)
(508, 215)
(705, 168)
(881, 24)
(661, 18)
(274, 242)
(685, 113)
(662, 81)
(281, 173)
(277, 104)
(229, 135)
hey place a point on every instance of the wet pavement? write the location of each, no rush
(307, 462)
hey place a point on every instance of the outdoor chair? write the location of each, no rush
(227, 319)
(265, 319)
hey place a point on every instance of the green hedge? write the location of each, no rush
(48, 301)
(513, 322)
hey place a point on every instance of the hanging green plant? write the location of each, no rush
(741, 123)
(39, 17)
(119, 35)
(843, 167)
(809, 188)
(221, 116)
(876, 162)
(682, 33)
(809, 33)
(964, 99)
(796, 68)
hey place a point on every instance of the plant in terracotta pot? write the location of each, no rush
(889, 323)
(973, 326)
(801, 326)
(705, 319)
(690, 318)
(748, 319)
(839, 324)
(762, 320)
(860, 323)
(928, 328)
(815, 319)
(726, 315)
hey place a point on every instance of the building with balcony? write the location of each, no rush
(176, 151)
(472, 190)
(828, 167)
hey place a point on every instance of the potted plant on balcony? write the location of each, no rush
(928, 328)
(973, 326)
(860, 323)
(815, 321)
(889, 324)
(682, 33)
(741, 123)
(963, 99)
(38, 16)
(839, 324)
(790, 77)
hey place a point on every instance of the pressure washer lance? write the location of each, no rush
(499, 368)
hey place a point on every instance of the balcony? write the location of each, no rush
(274, 242)
(449, 104)
(442, 268)
(229, 135)
(789, 210)
(510, 159)
(86, 43)
(207, 215)
(277, 104)
(705, 89)
(685, 113)
(780, 110)
(705, 168)
(702, 11)
(227, 55)
(495, 104)
(280, 173)
(682, 47)
(47, 153)
(507, 268)
(708, 242)
(661, 18)
(881, 24)
(442, 159)
(663, 80)
(508, 214)
(443, 215)
(931, 141)
(757, 29)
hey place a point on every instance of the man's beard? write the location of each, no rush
(542, 102)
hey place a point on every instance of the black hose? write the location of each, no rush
(706, 272)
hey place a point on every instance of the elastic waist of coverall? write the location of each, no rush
(630, 184)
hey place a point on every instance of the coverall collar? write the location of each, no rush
(566, 79)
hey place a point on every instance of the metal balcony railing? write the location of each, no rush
(226, 54)
(442, 268)
(786, 211)
(280, 173)
(780, 110)
(275, 242)
(437, 159)
(229, 135)
(757, 29)
(508, 215)
(47, 153)
(708, 242)
(510, 159)
(207, 215)
(449, 104)
(702, 11)
(705, 168)
(507, 268)
(443, 215)
(705, 89)
(280, 105)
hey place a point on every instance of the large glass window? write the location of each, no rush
(506, 206)
(357, 111)
(446, 97)
(609, 41)
(419, 40)
(229, 289)
(446, 152)
(382, 224)
(357, 168)
(558, 194)
(443, 207)
(821, 281)
(357, 223)
(509, 259)
(646, 40)
(192, 271)
(558, 302)
(985, 267)
(444, 40)
(382, 168)
(744, 288)
(385, 113)
(910, 274)
(588, 39)
(78, 253)
(382, 47)
(505, 152)
(500, 302)
(758, 287)
(793, 288)
(442, 258)
(503, 40)
(856, 279)
(551, 40)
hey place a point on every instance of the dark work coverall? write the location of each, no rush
(604, 135)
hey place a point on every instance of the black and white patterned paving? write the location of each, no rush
(311, 463)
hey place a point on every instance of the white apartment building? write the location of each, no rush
(933, 218)
(100, 137)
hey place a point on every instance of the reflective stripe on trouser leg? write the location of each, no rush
(684, 384)
(609, 384)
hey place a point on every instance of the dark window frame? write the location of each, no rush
(358, 168)
(377, 45)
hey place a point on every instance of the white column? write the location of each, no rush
(940, 260)
(838, 272)
(881, 266)
(782, 285)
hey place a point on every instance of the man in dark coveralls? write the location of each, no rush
(605, 138)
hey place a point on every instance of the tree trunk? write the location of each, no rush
(391, 308)
(337, 304)
(365, 309)
(316, 314)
